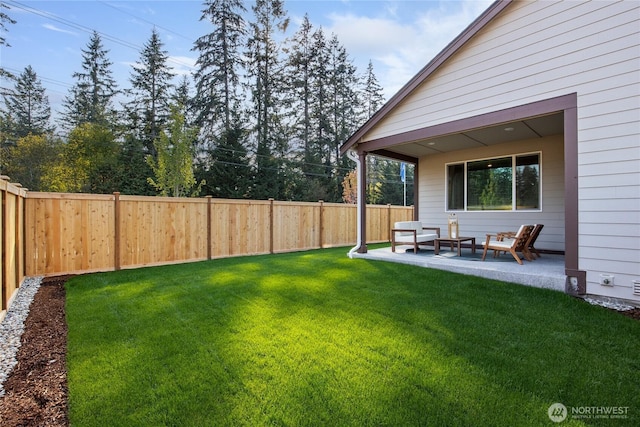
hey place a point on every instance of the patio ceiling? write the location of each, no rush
(537, 127)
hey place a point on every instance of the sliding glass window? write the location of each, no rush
(498, 184)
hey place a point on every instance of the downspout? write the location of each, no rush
(354, 156)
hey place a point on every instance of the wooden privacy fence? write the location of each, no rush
(78, 233)
(11, 239)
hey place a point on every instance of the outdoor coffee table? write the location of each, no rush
(458, 241)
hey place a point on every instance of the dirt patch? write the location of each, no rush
(36, 389)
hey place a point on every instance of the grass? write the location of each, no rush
(315, 338)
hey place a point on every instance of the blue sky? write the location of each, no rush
(400, 37)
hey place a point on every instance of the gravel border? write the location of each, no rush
(12, 327)
(609, 302)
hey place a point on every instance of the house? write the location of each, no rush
(531, 115)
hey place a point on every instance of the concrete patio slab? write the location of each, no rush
(545, 272)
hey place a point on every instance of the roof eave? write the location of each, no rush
(487, 16)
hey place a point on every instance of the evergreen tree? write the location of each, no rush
(380, 186)
(182, 98)
(4, 20)
(372, 97)
(375, 177)
(299, 76)
(150, 89)
(89, 100)
(343, 90)
(228, 174)
(392, 189)
(219, 65)
(27, 106)
(134, 169)
(264, 68)
(320, 103)
(224, 163)
(305, 71)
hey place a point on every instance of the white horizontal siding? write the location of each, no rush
(610, 155)
(609, 193)
(477, 224)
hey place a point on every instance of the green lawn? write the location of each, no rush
(316, 338)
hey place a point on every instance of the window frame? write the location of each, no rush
(514, 166)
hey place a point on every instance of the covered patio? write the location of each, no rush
(548, 271)
(465, 127)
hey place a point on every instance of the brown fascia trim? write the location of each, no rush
(395, 156)
(473, 28)
(525, 111)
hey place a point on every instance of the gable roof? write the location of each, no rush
(457, 43)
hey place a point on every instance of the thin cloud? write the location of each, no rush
(182, 65)
(401, 47)
(52, 27)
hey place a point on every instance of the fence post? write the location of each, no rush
(23, 213)
(270, 225)
(209, 206)
(3, 237)
(389, 221)
(321, 225)
(116, 231)
(17, 240)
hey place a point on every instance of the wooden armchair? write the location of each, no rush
(513, 244)
(537, 228)
(532, 240)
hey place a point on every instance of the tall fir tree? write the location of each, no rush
(27, 107)
(219, 66)
(372, 94)
(224, 163)
(344, 98)
(266, 72)
(320, 102)
(151, 91)
(181, 97)
(300, 80)
(89, 100)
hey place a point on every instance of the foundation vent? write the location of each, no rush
(636, 287)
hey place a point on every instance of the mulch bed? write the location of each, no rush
(36, 391)
(634, 314)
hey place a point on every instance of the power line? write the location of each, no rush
(44, 79)
(89, 30)
(144, 20)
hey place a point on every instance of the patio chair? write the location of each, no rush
(412, 233)
(510, 243)
(532, 240)
(537, 228)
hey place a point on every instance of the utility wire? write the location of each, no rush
(89, 30)
(145, 20)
